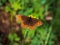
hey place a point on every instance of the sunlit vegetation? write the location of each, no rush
(46, 11)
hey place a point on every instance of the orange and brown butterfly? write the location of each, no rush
(28, 22)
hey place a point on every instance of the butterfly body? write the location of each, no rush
(29, 22)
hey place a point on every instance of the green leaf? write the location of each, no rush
(16, 6)
(25, 32)
(31, 33)
(28, 11)
(15, 44)
(14, 35)
(3, 1)
(10, 36)
(43, 2)
(7, 8)
(12, 1)
(17, 39)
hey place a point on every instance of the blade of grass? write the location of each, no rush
(48, 35)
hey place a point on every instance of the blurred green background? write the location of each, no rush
(48, 33)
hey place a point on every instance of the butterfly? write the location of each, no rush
(28, 22)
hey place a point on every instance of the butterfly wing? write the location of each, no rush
(23, 20)
(31, 23)
(35, 22)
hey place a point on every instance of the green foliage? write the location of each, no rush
(13, 37)
(31, 33)
(7, 8)
(2, 2)
(42, 35)
(15, 4)
(15, 44)
(0, 43)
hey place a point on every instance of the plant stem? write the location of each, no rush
(48, 35)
